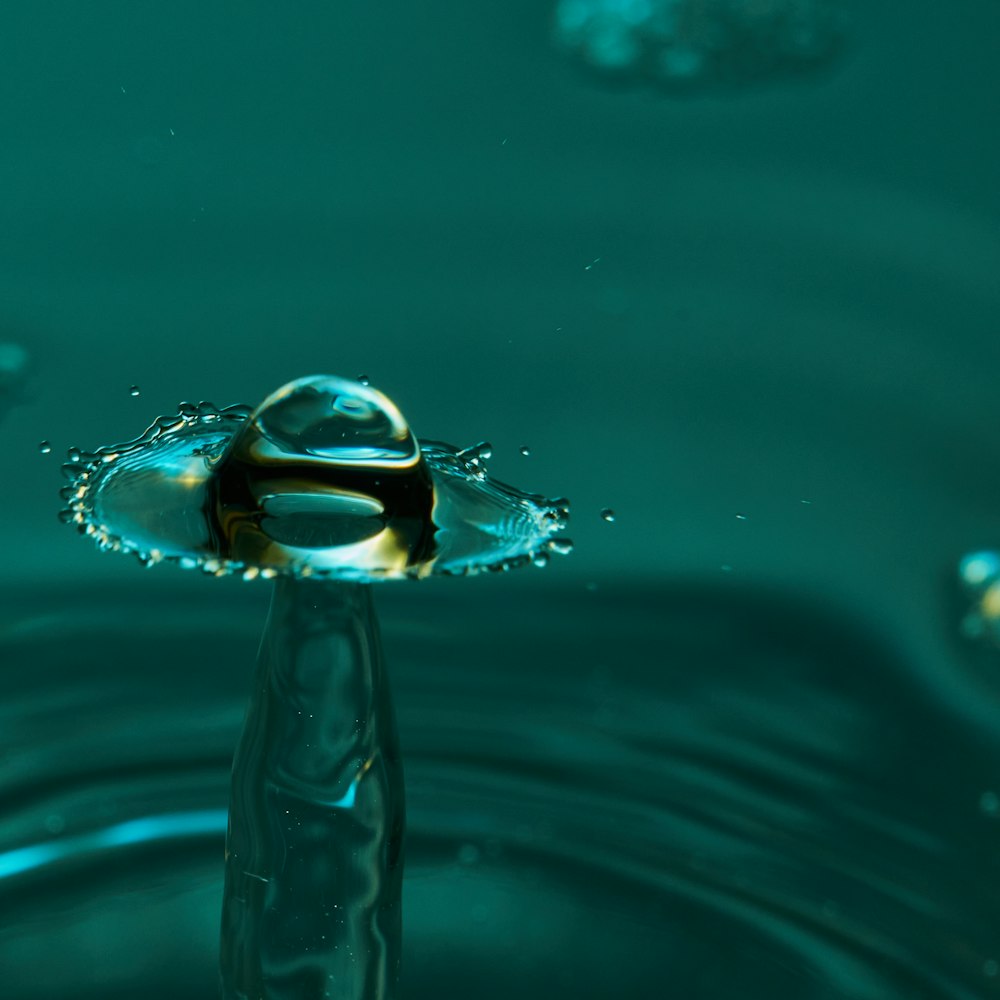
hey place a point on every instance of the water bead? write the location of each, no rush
(45, 447)
(524, 450)
(607, 514)
(324, 478)
(133, 390)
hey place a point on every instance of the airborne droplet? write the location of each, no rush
(607, 514)
(45, 447)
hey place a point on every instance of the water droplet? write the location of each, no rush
(741, 517)
(324, 479)
(979, 577)
(561, 546)
(989, 804)
(133, 390)
(590, 266)
(45, 447)
(807, 502)
(524, 450)
(607, 514)
(540, 559)
(74, 454)
(364, 380)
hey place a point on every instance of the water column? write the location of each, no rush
(314, 848)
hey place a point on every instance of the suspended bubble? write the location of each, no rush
(324, 478)
(979, 579)
(697, 45)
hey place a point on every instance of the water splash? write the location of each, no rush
(696, 45)
(324, 479)
(324, 486)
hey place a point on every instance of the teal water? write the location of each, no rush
(321, 483)
(747, 803)
(748, 755)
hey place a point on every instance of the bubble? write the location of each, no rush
(45, 447)
(15, 364)
(979, 579)
(133, 390)
(324, 478)
(607, 514)
(364, 380)
(686, 46)
(524, 450)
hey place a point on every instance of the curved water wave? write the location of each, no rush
(738, 793)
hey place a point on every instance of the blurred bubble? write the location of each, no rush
(15, 363)
(696, 45)
(979, 578)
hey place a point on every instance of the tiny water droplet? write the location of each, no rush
(607, 514)
(45, 447)
(807, 502)
(363, 379)
(133, 390)
(561, 546)
(588, 267)
(540, 559)
(524, 450)
(73, 454)
(741, 517)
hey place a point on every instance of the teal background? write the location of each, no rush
(796, 297)
(688, 309)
